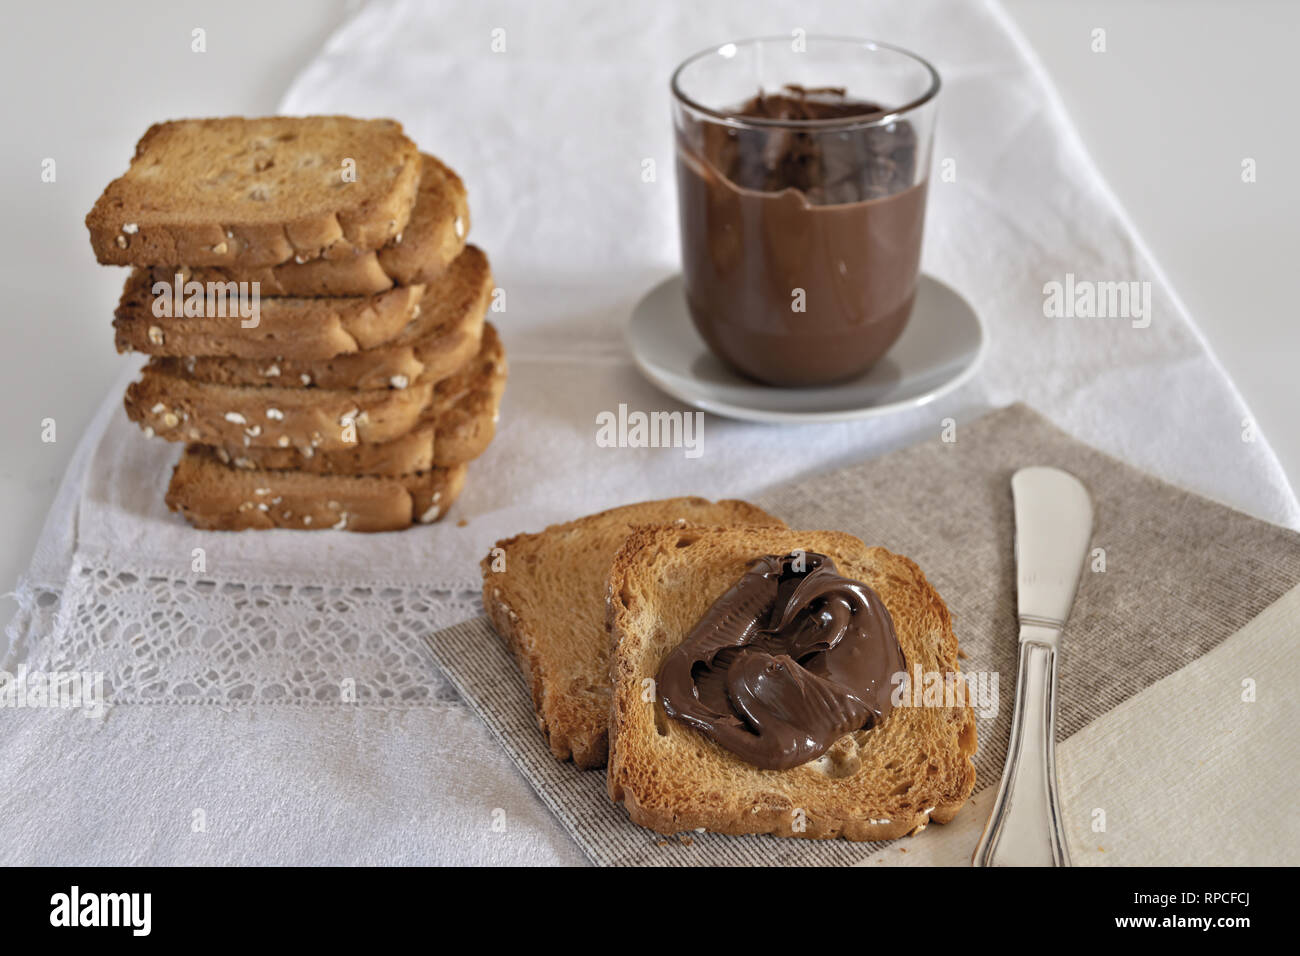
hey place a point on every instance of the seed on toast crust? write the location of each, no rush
(429, 244)
(442, 331)
(457, 425)
(305, 329)
(178, 409)
(215, 496)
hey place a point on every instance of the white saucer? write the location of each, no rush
(939, 350)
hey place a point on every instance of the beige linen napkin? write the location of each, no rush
(1171, 576)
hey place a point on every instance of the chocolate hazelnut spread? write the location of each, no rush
(786, 662)
(801, 244)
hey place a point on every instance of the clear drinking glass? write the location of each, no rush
(802, 168)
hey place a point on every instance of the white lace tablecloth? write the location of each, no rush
(276, 682)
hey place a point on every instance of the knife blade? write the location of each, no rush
(1053, 515)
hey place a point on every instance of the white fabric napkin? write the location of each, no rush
(550, 135)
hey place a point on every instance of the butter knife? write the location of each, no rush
(1053, 529)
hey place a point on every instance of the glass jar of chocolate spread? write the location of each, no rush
(802, 167)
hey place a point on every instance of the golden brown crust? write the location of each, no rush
(237, 192)
(437, 335)
(913, 768)
(433, 492)
(557, 739)
(359, 275)
(456, 426)
(287, 327)
(466, 405)
(215, 497)
(425, 251)
(436, 233)
(177, 409)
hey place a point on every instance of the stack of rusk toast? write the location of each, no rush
(314, 317)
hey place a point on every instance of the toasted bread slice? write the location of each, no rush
(238, 192)
(912, 768)
(286, 327)
(437, 231)
(216, 497)
(466, 406)
(457, 426)
(443, 336)
(178, 409)
(545, 594)
(432, 239)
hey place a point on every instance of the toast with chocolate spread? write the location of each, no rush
(741, 658)
(545, 595)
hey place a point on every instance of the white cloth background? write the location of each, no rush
(550, 136)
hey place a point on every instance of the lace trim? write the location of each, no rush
(163, 639)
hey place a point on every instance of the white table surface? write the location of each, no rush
(1184, 92)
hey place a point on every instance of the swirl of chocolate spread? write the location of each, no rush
(786, 662)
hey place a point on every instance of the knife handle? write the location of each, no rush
(1025, 826)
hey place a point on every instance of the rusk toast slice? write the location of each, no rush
(286, 327)
(239, 193)
(443, 335)
(466, 406)
(178, 409)
(431, 240)
(912, 768)
(545, 594)
(437, 231)
(215, 497)
(457, 426)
